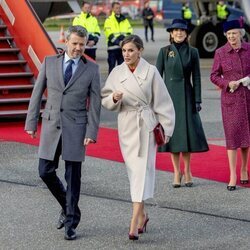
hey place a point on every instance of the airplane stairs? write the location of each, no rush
(16, 79)
(23, 45)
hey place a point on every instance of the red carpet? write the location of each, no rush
(212, 165)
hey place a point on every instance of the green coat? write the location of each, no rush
(177, 67)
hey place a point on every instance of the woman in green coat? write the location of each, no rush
(178, 62)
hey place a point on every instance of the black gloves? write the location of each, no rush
(119, 39)
(198, 106)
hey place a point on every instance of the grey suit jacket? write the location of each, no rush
(65, 113)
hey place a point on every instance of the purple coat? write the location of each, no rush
(230, 65)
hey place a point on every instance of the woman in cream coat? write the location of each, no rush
(137, 92)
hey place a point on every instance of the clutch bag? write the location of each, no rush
(159, 135)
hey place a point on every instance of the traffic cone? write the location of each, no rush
(62, 37)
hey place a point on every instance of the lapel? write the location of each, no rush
(59, 69)
(185, 56)
(132, 82)
(177, 59)
(82, 66)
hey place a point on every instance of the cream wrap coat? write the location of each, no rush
(145, 102)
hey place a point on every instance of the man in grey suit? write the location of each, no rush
(68, 123)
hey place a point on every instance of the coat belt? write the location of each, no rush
(145, 114)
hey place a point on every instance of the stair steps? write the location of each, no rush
(16, 80)
(16, 75)
(9, 50)
(15, 100)
(13, 113)
(13, 87)
(12, 62)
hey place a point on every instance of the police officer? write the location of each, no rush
(116, 28)
(187, 16)
(90, 23)
(186, 12)
(222, 11)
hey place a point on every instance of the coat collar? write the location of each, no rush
(229, 48)
(177, 58)
(59, 66)
(141, 70)
(84, 15)
(132, 81)
(82, 66)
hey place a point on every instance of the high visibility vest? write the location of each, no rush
(221, 11)
(113, 29)
(187, 13)
(90, 23)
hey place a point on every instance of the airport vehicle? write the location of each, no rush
(49, 8)
(207, 35)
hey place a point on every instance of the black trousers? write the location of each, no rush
(114, 56)
(68, 198)
(151, 26)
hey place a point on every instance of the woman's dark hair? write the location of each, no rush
(136, 40)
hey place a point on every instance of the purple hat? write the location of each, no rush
(178, 24)
(233, 24)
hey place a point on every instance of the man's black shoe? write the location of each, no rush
(60, 223)
(70, 233)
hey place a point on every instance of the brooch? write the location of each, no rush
(171, 54)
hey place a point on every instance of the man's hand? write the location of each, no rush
(32, 133)
(91, 43)
(87, 141)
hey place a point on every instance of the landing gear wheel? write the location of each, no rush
(207, 38)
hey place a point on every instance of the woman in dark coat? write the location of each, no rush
(177, 63)
(231, 72)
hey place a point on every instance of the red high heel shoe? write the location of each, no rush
(144, 227)
(133, 237)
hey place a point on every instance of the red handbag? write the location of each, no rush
(159, 135)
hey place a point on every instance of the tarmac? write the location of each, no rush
(205, 216)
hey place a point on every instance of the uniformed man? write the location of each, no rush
(116, 28)
(90, 23)
(186, 12)
(222, 11)
(187, 16)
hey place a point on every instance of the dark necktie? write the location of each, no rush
(68, 72)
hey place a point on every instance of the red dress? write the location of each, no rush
(230, 65)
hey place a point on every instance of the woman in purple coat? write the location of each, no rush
(231, 72)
